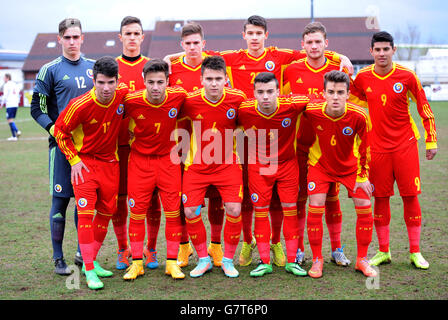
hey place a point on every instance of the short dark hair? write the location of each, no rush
(107, 66)
(257, 21)
(314, 27)
(192, 28)
(130, 20)
(382, 36)
(216, 63)
(68, 23)
(338, 77)
(7, 75)
(265, 77)
(156, 65)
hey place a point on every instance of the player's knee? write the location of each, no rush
(361, 202)
(233, 209)
(318, 199)
(190, 212)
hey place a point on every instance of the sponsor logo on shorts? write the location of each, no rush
(311, 186)
(89, 73)
(398, 87)
(82, 202)
(131, 203)
(347, 131)
(184, 198)
(231, 113)
(254, 197)
(269, 65)
(120, 109)
(172, 113)
(58, 188)
(286, 122)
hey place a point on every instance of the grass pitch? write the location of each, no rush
(27, 269)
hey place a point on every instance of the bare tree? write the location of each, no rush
(411, 37)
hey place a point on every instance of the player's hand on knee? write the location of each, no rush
(366, 186)
(76, 175)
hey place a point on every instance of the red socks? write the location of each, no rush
(263, 234)
(232, 233)
(413, 220)
(364, 225)
(173, 233)
(412, 216)
(119, 222)
(301, 217)
(333, 219)
(198, 236)
(315, 229)
(86, 238)
(291, 232)
(153, 221)
(381, 218)
(137, 234)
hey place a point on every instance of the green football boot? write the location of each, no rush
(418, 261)
(261, 270)
(93, 282)
(99, 270)
(295, 269)
(380, 258)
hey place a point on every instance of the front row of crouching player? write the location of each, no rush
(87, 132)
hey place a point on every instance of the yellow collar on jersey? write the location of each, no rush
(92, 94)
(264, 115)
(145, 98)
(394, 66)
(324, 106)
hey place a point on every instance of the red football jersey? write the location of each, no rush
(279, 129)
(212, 126)
(242, 68)
(153, 125)
(130, 73)
(88, 127)
(387, 98)
(185, 76)
(341, 147)
(300, 78)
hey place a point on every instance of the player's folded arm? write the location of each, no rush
(39, 111)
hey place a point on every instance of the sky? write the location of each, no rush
(22, 20)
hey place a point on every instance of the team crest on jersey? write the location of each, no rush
(254, 197)
(89, 73)
(120, 109)
(172, 113)
(398, 87)
(184, 198)
(286, 122)
(269, 65)
(347, 131)
(311, 186)
(58, 188)
(231, 113)
(131, 203)
(82, 202)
